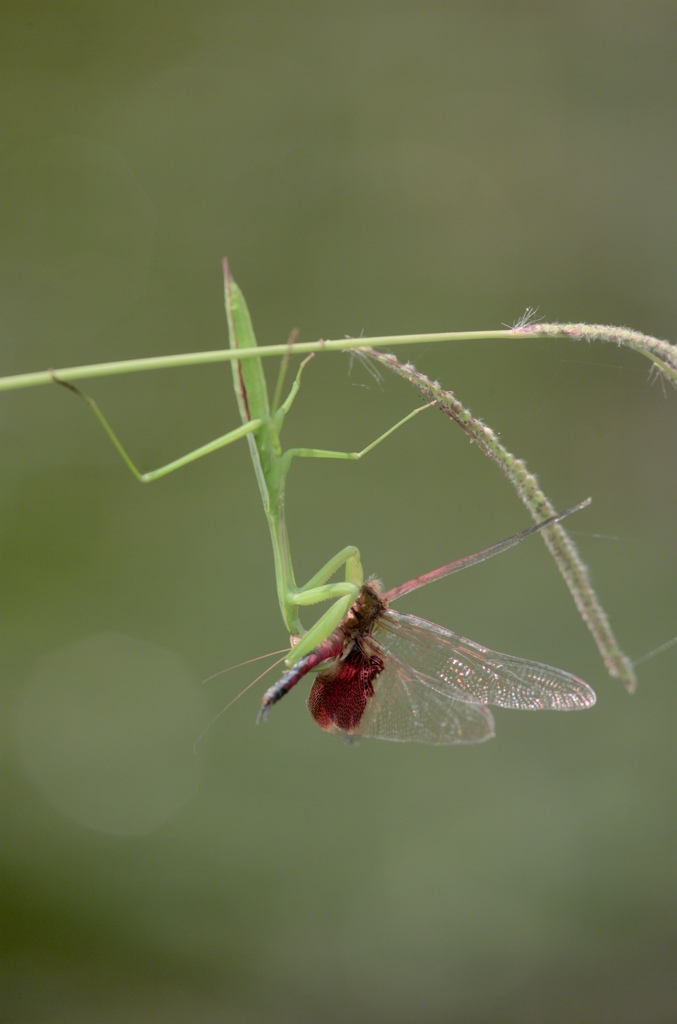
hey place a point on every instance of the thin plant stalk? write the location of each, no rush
(661, 353)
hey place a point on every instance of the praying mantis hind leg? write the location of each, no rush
(184, 460)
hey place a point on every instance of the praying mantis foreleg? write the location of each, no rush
(316, 590)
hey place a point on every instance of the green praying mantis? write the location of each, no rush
(262, 424)
(344, 636)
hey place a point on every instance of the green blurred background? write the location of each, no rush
(375, 168)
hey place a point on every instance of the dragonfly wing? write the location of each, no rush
(406, 707)
(475, 673)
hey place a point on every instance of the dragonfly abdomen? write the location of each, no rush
(298, 670)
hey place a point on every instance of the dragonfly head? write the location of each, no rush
(361, 617)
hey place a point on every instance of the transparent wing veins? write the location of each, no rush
(409, 707)
(475, 673)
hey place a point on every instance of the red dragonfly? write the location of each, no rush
(398, 677)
